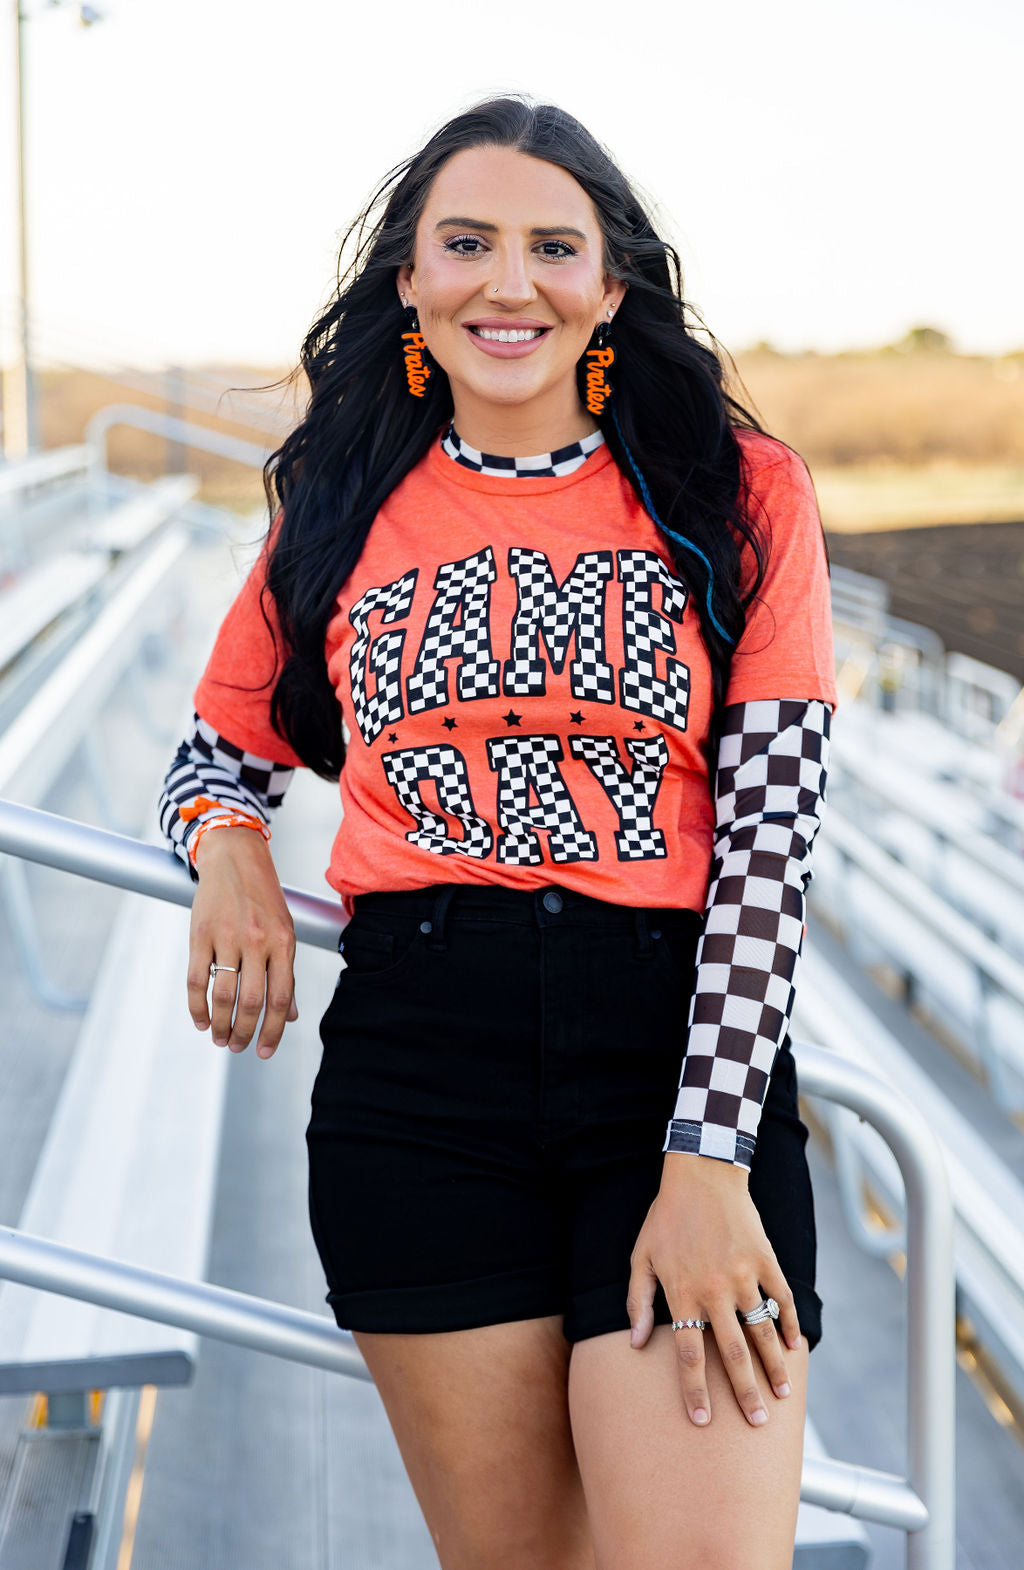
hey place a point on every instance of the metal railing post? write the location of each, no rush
(931, 1300)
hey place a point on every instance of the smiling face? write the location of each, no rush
(509, 284)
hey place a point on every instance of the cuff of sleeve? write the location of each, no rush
(709, 1139)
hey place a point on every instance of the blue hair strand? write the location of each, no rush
(679, 538)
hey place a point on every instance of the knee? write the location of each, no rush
(557, 1549)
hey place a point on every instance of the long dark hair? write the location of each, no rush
(673, 427)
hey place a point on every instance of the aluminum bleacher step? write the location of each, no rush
(128, 1169)
(41, 595)
(45, 1506)
(131, 523)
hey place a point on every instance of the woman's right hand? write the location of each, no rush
(703, 1239)
(239, 918)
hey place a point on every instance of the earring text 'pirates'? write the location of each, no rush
(417, 371)
(599, 360)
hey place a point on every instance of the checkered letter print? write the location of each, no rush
(445, 766)
(530, 763)
(384, 705)
(555, 613)
(632, 795)
(462, 586)
(644, 630)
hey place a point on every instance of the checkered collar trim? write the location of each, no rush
(546, 465)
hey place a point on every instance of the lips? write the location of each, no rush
(507, 339)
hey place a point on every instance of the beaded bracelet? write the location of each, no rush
(232, 818)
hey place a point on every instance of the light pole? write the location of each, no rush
(20, 407)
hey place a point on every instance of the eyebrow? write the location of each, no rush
(477, 223)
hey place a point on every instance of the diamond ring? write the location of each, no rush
(766, 1309)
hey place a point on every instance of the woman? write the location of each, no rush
(573, 605)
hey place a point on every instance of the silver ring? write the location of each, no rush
(766, 1309)
(690, 1324)
(214, 968)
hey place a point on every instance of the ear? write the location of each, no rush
(406, 287)
(614, 294)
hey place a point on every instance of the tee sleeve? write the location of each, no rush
(786, 647)
(236, 688)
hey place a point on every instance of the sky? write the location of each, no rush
(833, 173)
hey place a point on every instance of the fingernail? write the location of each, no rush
(792, 1342)
(781, 1390)
(221, 1041)
(634, 1336)
(264, 1052)
(199, 1024)
(759, 1417)
(699, 1415)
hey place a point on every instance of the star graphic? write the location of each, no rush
(638, 725)
(511, 719)
(449, 723)
(392, 735)
(577, 718)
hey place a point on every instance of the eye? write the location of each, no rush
(557, 249)
(455, 245)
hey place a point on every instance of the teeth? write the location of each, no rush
(508, 335)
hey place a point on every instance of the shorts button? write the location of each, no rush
(552, 901)
(426, 926)
(655, 933)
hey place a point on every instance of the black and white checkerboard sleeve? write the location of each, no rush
(207, 764)
(769, 800)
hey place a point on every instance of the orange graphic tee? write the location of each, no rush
(523, 686)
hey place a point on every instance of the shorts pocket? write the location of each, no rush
(373, 948)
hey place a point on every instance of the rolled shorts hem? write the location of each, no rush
(504, 1299)
(603, 1309)
(449, 1305)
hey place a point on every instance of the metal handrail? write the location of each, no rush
(128, 863)
(922, 1503)
(189, 435)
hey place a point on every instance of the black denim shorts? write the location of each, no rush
(498, 1070)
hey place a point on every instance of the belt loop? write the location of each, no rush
(439, 918)
(644, 942)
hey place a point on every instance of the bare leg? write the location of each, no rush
(482, 1421)
(663, 1494)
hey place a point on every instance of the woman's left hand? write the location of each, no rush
(703, 1240)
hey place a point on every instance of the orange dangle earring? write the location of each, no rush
(600, 360)
(417, 371)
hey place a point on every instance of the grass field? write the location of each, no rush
(899, 440)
